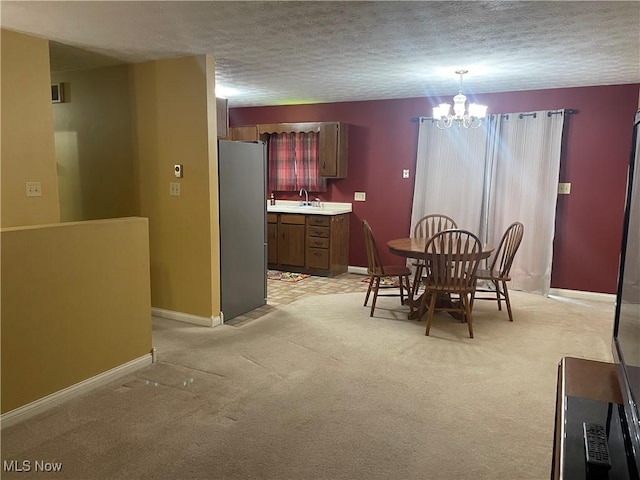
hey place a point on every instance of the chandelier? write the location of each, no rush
(471, 119)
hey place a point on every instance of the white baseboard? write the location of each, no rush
(600, 297)
(559, 292)
(357, 270)
(30, 409)
(186, 317)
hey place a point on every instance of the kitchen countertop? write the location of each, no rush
(326, 208)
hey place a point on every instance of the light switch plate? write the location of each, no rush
(174, 189)
(359, 196)
(564, 188)
(405, 173)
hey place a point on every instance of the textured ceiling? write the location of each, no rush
(275, 53)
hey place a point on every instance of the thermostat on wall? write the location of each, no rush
(177, 171)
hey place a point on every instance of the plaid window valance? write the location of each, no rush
(293, 162)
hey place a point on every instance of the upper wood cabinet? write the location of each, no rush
(333, 138)
(333, 149)
(222, 117)
(246, 134)
(288, 127)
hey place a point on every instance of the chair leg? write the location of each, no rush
(507, 301)
(416, 281)
(473, 297)
(413, 306)
(432, 307)
(409, 296)
(423, 306)
(375, 295)
(467, 307)
(495, 283)
(401, 290)
(366, 299)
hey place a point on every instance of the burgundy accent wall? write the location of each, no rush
(382, 142)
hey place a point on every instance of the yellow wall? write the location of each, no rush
(75, 303)
(94, 144)
(174, 102)
(214, 211)
(76, 296)
(27, 151)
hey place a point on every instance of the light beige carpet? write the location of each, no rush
(319, 390)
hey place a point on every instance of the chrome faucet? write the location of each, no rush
(306, 195)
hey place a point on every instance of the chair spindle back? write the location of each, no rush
(453, 256)
(373, 257)
(507, 249)
(431, 224)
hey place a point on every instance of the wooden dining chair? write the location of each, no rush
(425, 228)
(376, 271)
(499, 270)
(453, 257)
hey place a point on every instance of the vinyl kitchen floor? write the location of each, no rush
(281, 293)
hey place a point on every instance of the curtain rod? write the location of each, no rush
(567, 111)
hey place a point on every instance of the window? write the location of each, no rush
(293, 162)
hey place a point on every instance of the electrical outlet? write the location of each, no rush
(564, 188)
(359, 196)
(174, 189)
(405, 173)
(34, 189)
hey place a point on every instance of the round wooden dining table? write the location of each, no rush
(414, 248)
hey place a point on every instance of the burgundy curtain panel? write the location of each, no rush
(294, 163)
(308, 165)
(282, 162)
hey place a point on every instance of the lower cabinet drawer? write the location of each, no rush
(317, 258)
(293, 219)
(319, 220)
(318, 232)
(317, 242)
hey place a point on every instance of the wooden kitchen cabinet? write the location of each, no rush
(272, 238)
(246, 134)
(333, 149)
(339, 244)
(318, 241)
(333, 141)
(222, 117)
(291, 233)
(315, 244)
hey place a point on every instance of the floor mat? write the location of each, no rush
(286, 276)
(386, 282)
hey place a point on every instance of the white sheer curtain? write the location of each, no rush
(487, 178)
(524, 188)
(450, 173)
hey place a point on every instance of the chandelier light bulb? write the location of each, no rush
(468, 119)
(459, 102)
(478, 111)
(441, 111)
